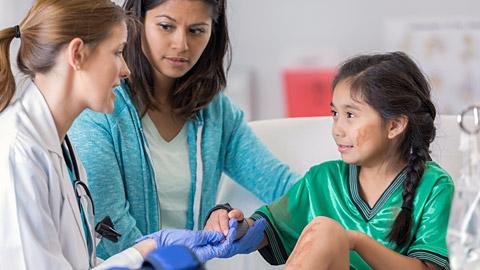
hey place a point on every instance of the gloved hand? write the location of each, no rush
(200, 242)
(247, 244)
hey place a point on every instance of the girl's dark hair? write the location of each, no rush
(198, 86)
(394, 86)
(46, 29)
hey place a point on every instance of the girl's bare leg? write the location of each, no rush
(323, 244)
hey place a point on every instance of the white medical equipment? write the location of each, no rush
(464, 230)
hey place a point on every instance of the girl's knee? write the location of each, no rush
(324, 229)
(324, 225)
(324, 237)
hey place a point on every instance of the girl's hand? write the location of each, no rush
(218, 220)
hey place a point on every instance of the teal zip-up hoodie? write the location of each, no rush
(114, 152)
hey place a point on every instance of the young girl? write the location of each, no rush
(72, 52)
(156, 161)
(385, 205)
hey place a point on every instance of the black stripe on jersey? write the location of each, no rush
(274, 253)
(351, 197)
(426, 255)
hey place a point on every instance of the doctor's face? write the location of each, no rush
(103, 69)
(175, 36)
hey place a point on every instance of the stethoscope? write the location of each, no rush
(105, 227)
(85, 201)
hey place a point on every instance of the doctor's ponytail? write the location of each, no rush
(7, 81)
(47, 28)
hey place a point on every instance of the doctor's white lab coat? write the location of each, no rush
(40, 222)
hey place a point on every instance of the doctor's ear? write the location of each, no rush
(397, 126)
(77, 53)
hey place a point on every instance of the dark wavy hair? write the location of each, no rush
(198, 86)
(394, 86)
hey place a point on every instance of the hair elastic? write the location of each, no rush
(17, 31)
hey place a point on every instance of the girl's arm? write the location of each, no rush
(380, 257)
(286, 218)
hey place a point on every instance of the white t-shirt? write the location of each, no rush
(170, 162)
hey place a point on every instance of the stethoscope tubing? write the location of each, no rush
(85, 202)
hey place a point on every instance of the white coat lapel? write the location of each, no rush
(45, 126)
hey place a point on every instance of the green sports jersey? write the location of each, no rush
(331, 189)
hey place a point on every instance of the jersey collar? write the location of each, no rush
(362, 206)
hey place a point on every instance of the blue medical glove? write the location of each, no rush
(200, 242)
(247, 244)
(171, 258)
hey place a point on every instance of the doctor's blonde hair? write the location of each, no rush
(46, 29)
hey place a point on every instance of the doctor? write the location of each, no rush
(72, 52)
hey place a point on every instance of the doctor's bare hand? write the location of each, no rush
(146, 246)
(218, 220)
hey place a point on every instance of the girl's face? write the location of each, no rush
(103, 69)
(358, 130)
(176, 34)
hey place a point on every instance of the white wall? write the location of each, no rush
(12, 11)
(268, 34)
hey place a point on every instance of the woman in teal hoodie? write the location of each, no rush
(156, 161)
